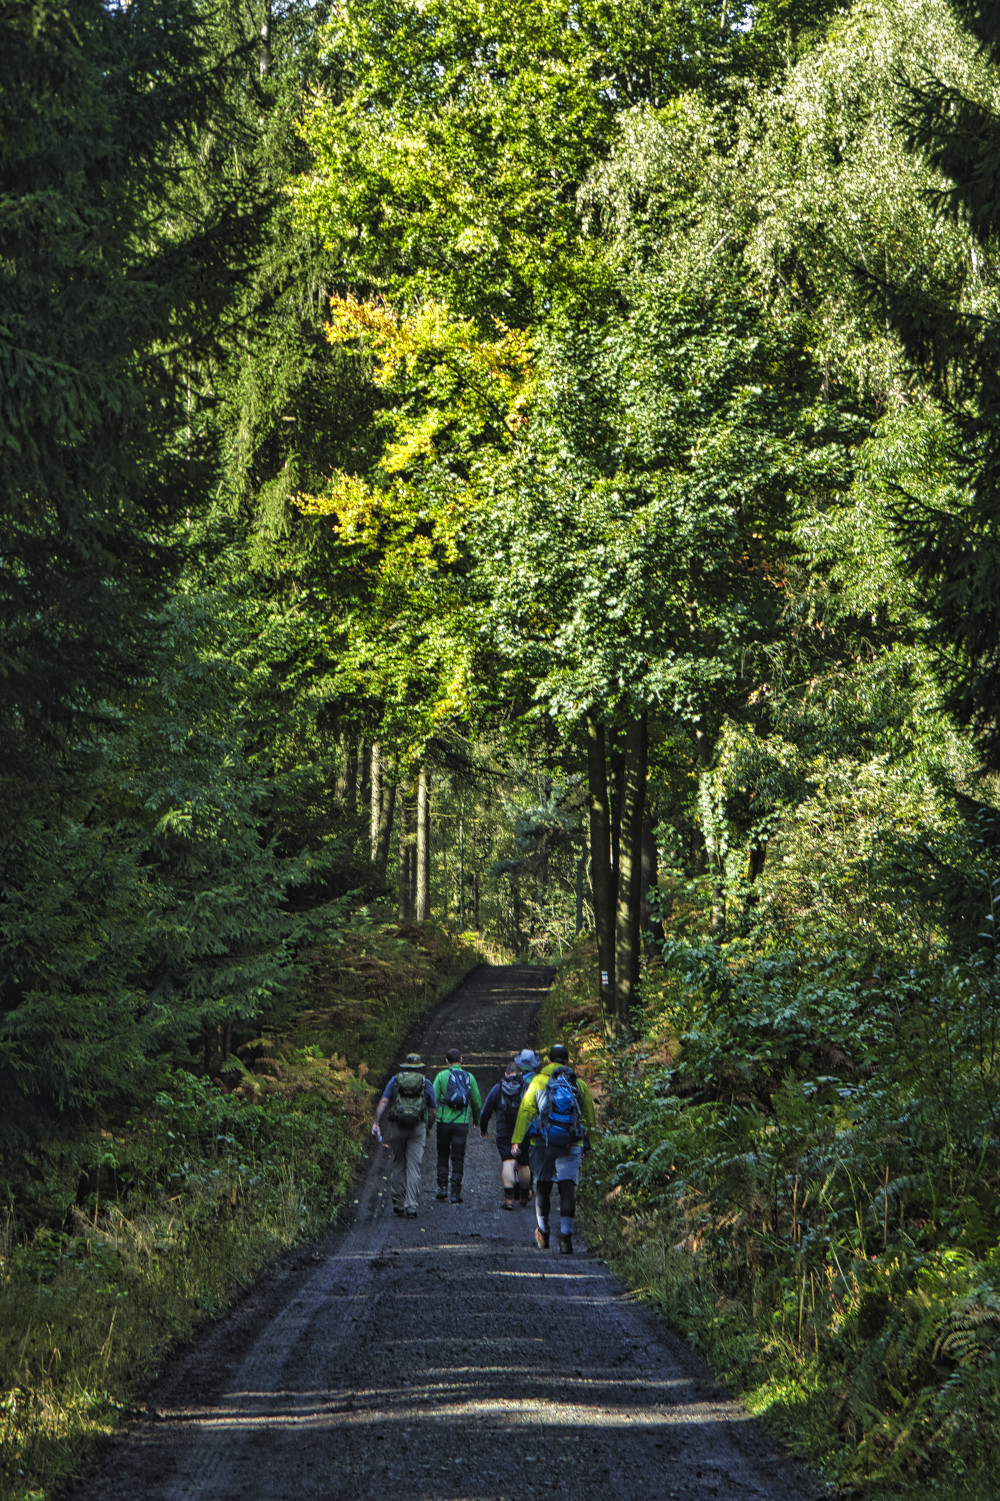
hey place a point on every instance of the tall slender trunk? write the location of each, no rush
(364, 771)
(616, 792)
(630, 867)
(713, 836)
(647, 923)
(461, 874)
(581, 877)
(423, 850)
(343, 785)
(385, 818)
(266, 54)
(404, 907)
(411, 855)
(517, 937)
(600, 857)
(376, 797)
(350, 798)
(475, 900)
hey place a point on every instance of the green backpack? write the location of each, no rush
(408, 1106)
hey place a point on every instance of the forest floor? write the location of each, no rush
(443, 1357)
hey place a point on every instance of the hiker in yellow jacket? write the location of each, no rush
(557, 1113)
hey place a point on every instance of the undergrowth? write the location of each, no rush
(800, 1167)
(123, 1240)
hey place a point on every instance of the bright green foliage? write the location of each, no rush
(449, 167)
(815, 1182)
(952, 329)
(631, 545)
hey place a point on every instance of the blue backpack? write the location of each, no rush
(559, 1120)
(456, 1096)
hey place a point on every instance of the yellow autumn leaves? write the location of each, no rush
(451, 390)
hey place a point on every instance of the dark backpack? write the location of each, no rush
(456, 1095)
(511, 1094)
(408, 1106)
(559, 1102)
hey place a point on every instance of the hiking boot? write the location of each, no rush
(508, 1201)
(456, 1198)
(541, 1239)
(397, 1209)
(442, 1193)
(411, 1214)
(566, 1244)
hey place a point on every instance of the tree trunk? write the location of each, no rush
(351, 777)
(376, 798)
(630, 868)
(714, 843)
(346, 788)
(404, 908)
(600, 858)
(475, 900)
(266, 54)
(364, 769)
(411, 855)
(616, 790)
(649, 874)
(386, 813)
(515, 916)
(422, 874)
(581, 877)
(461, 874)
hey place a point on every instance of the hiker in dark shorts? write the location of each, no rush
(409, 1106)
(504, 1100)
(457, 1095)
(558, 1112)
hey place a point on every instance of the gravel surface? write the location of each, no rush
(444, 1357)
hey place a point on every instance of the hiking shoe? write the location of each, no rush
(508, 1201)
(566, 1244)
(455, 1199)
(411, 1214)
(442, 1193)
(397, 1209)
(541, 1239)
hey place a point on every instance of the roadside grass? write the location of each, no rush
(801, 1172)
(151, 1226)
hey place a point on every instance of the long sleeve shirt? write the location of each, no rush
(494, 1103)
(449, 1114)
(529, 1109)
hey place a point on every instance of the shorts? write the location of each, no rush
(556, 1164)
(503, 1147)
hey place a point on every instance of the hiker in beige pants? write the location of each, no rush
(409, 1104)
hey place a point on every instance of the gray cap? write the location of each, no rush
(526, 1059)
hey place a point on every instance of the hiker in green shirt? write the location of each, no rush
(457, 1095)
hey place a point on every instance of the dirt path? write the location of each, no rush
(444, 1357)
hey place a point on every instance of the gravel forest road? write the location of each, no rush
(443, 1357)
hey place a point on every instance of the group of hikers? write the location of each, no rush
(543, 1114)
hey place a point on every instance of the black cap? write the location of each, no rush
(559, 1053)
